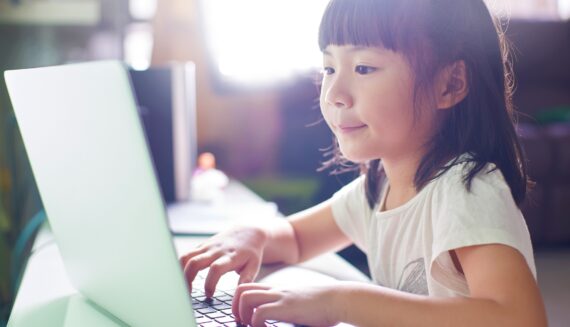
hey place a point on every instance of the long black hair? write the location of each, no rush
(432, 34)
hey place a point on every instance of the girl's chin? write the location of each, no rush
(357, 155)
(357, 158)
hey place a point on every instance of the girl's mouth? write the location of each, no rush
(346, 129)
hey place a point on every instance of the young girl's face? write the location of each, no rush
(367, 101)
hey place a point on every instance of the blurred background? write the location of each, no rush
(257, 67)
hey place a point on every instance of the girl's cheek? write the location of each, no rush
(328, 120)
(322, 98)
(323, 106)
(326, 116)
(322, 103)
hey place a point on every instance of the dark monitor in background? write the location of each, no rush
(166, 97)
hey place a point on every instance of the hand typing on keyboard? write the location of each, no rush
(242, 250)
(216, 311)
(239, 249)
(311, 306)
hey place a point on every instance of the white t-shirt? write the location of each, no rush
(408, 247)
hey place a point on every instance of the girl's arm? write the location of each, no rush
(244, 248)
(304, 235)
(503, 293)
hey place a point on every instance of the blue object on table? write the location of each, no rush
(21, 243)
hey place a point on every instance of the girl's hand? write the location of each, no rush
(253, 304)
(239, 249)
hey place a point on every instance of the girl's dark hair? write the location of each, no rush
(432, 34)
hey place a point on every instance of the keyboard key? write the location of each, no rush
(202, 320)
(213, 301)
(219, 293)
(212, 324)
(215, 315)
(199, 305)
(221, 306)
(224, 319)
(206, 310)
(225, 298)
(234, 324)
(215, 311)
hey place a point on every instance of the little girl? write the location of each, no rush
(418, 94)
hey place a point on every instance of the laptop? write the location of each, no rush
(98, 185)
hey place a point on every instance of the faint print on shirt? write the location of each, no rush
(413, 278)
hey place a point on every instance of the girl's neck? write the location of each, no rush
(400, 173)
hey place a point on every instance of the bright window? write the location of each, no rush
(257, 41)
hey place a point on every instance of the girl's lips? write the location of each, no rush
(350, 128)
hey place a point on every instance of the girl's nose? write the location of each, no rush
(338, 96)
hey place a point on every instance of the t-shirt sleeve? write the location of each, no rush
(350, 211)
(487, 214)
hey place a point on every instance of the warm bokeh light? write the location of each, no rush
(564, 8)
(138, 45)
(142, 9)
(257, 41)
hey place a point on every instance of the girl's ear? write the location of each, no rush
(451, 85)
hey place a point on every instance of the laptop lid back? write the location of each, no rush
(95, 176)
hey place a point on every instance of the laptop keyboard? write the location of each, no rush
(217, 311)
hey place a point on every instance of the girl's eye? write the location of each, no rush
(363, 70)
(328, 70)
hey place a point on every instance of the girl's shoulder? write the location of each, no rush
(486, 183)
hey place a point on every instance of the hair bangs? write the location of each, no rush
(358, 23)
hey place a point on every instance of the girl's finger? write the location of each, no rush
(197, 263)
(219, 267)
(242, 288)
(268, 311)
(251, 299)
(184, 259)
(249, 271)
